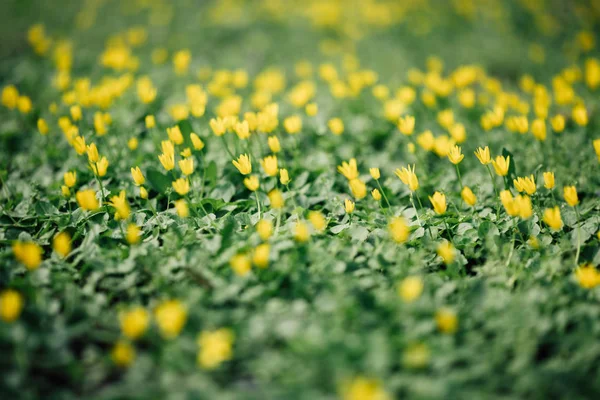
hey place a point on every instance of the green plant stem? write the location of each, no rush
(578, 236)
(227, 147)
(448, 230)
(416, 212)
(512, 247)
(383, 194)
(257, 204)
(459, 178)
(101, 189)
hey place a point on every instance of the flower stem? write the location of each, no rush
(384, 196)
(227, 147)
(416, 212)
(257, 204)
(459, 178)
(578, 237)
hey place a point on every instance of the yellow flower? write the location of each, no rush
(361, 388)
(552, 218)
(292, 124)
(580, 115)
(410, 288)
(79, 145)
(42, 126)
(215, 347)
(483, 155)
(143, 192)
(284, 177)
(318, 221)
(28, 253)
(269, 165)
(252, 183)
(196, 141)
(533, 242)
(132, 143)
(170, 317)
(587, 276)
(523, 204)
(408, 177)
(549, 180)
(218, 126)
(438, 201)
(446, 320)
(511, 207)
(181, 186)
(62, 244)
(182, 208)
(175, 135)
(570, 194)
(468, 196)
(10, 96)
(406, 125)
(311, 109)
(301, 232)
(501, 165)
(87, 200)
(558, 123)
(121, 205)
(150, 121)
(167, 161)
(526, 184)
(187, 166)
(426, 140)
(260, 258)
(167, 148)
(455, 156)
(70, 178)
(134, 322)
(11, 304)
(122, 353)
(264, 228)
(100, 167)
(92, 153)
(538, 128)
(276, 199)
(348, 169)
(75, 113)
(274, 145)
(65, 191)
(375, 173)
(242, 130)
(349, 206)
(596, 144)
(133, 234)
(358, 188)
(398, 229)
(336, 126)
(376, 194)
(138, 177)
(241, 265)
(181, 61)
(447, 252)
(243, 164)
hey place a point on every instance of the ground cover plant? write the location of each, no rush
(322, 199)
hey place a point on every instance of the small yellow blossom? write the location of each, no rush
(349, 206)
(28, 253)
(570, 195)
(276, 199)
(11, 304)
(318, 221)
(269, 165)
(549, 180)
(376, 194)
(501, 165)
(260, 257)
(284, 177)
(587, 276)
(182, 208)
(438, 201)
(264, 227)
(122, 354)
(446, 320)
(455, 156)
(552, 218)
(62, 244)
(301, 232)
(410, 288)
(483, 155)
(468, 196)
(181, 186)
(216, 347)
(408, 177)
(87, 200)
(406, 125)
(187, 166)
(134, 322)
(133, 234)
(447, 252)
(70, 178)
(170, 316)
(138, 177)
(349, 169)
(398, 229)
(252, 183)
(336, 126)
(243, 164)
